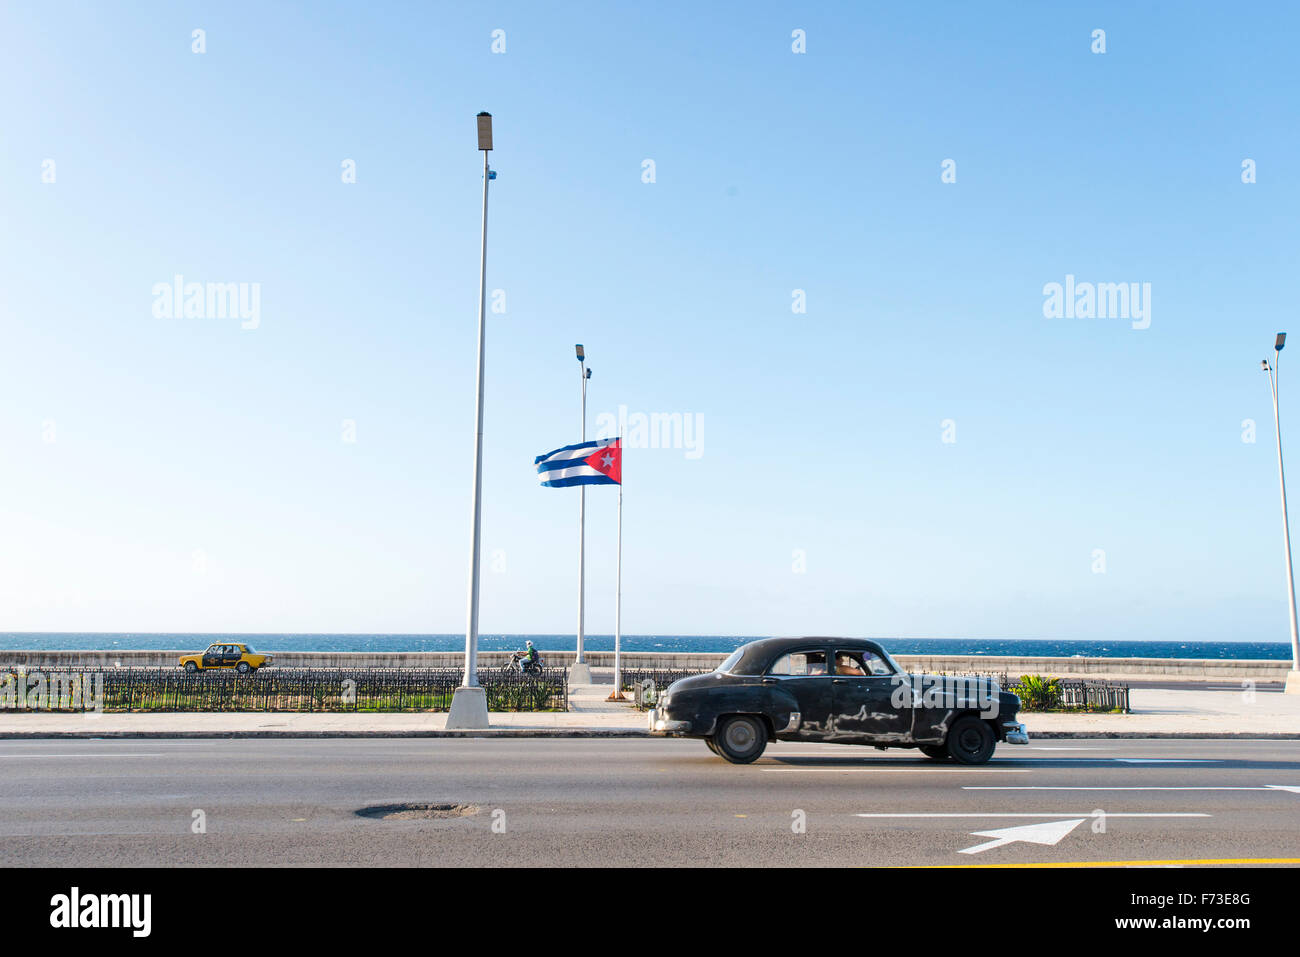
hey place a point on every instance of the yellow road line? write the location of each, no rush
(1190, 862)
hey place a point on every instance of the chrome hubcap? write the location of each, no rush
(740, 736)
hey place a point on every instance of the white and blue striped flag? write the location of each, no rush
(587, 463)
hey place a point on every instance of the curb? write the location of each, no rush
(590, 733)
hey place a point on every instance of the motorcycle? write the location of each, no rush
(533, 667)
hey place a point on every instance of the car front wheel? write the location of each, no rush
(740, 739)
(242, 668)
(971, 741)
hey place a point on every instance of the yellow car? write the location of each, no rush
(240, 657)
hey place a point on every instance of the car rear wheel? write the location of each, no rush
(712, 747)
(191, 667)
(971, 741)
(740, 739)
(243, 668)
(937, 751)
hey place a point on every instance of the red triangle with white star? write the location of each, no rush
(608, 460)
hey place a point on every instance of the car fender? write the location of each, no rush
(706, 707)
(772, 703)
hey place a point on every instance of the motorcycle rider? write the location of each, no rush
(527, 658)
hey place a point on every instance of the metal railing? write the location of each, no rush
(1094, 695)
(277, 689)
(647, 684)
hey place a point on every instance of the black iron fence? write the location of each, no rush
(275, 689)
(1042, 693)
(647, 684)
(1094, 695)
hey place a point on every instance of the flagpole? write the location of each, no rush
(618, 588)
(580, 673)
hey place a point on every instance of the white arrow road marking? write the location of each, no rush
(1049, 832)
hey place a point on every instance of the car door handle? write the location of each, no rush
(839, 681)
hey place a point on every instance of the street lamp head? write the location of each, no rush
(1281, 341)
(578, 349)
(485, 131)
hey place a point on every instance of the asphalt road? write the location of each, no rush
(654, 802)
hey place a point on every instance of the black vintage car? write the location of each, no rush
(836, 690)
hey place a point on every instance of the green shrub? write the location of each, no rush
(1038, 692)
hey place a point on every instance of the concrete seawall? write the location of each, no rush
(1172, 669)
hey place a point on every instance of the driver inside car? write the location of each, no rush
(848, 665)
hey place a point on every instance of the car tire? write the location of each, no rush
(712, 747)
(971, 741)
(740, 739)
(938, 752)
(191, 667)
(243, 668)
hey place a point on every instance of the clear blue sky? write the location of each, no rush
(172, 474)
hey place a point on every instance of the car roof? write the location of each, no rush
(757, 655)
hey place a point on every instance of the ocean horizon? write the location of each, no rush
(1032, 647)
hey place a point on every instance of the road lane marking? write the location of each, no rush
(1184, 862)
(135, 754)
(1168, 760)
(1030, 787)
(915, 770)
(1084, 814)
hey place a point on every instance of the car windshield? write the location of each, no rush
(249, 649)
(730, 663)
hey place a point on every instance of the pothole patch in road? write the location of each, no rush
(418, 812)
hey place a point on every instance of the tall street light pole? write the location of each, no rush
(580, 673)
(469, 702)
(1293, 677)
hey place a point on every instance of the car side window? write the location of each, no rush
(859, 664)
(799, 664)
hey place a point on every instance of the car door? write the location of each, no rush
(212, 657)
(803, 673)
(866, 705)
(233, 655)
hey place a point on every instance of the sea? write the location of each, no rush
(1029, 647)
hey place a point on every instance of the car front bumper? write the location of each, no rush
(1016, 733)
(661, 725)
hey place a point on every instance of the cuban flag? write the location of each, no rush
(587, 463)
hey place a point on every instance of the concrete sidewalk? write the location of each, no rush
(1157, 713)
